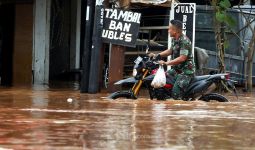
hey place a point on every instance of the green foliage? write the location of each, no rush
(230, 21)
(221, 13)
(220, 16)
(223, 17)
(223, 22)
(225, 4)
(226, 44)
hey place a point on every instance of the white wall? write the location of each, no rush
(41, 41)
(75, 34)
(247, 2)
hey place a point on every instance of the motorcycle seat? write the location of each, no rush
(199, 78)
(169, 79)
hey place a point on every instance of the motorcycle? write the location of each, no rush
(200, 87)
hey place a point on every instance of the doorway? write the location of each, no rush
(64, 51)
(6, 43)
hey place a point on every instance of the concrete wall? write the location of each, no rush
(23, 44)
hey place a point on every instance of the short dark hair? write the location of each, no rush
(177, 23)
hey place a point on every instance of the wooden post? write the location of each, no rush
(124, 4)
(116, 66)
(117, 57)
(23, 45)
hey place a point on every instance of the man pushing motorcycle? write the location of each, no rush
(183, 66)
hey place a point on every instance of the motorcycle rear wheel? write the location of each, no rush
(214, 97)
(122, 94)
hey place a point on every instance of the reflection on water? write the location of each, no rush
(41, 118)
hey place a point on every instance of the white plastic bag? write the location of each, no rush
(159, 79)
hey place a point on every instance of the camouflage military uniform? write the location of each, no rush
(184, 72)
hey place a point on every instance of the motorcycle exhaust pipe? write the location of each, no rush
(211, 88)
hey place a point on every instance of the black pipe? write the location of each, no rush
(90, 8)
(95, 53)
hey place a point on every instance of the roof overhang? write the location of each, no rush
(15, 1)
(163, 3)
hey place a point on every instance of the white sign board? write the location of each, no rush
(186, 13)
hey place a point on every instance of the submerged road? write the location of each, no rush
(42, 118)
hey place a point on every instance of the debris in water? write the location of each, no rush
(70, 100)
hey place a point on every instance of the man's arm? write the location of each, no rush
(175, 61)
(166, 53)
(184, 52)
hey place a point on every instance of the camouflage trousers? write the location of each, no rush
(181, 83)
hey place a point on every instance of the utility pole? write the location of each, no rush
(87, 46)
(95, 69)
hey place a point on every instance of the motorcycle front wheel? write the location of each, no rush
(122, 94)
(214, 97)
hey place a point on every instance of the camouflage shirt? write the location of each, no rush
(183, 46)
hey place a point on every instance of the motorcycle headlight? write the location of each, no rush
(134, 72)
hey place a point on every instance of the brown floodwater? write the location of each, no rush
(42, 118)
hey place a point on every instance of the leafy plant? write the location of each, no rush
(221, 13)
(223, 22)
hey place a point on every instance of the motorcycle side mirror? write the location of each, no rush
(147, 49)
